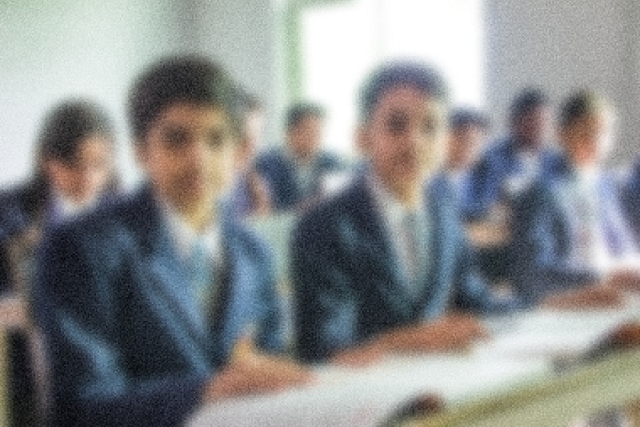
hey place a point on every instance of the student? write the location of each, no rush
(511, 164)
(631, 198)
(295, 173)
(162, 302)
(467, 134)
(468, 130)
(73, 173)
(250, 196)
(366, 281)
(569, 228)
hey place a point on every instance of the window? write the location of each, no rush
(342, 42)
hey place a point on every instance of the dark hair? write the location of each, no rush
(67, 124)
(526, 101)
(171, 80)
(462, 117)
(400, 73)
(579, 104)
(62, 132)
(301, 110)
(249, 101)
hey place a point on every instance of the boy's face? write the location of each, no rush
(188, 154)
(305, 137)
(465, 143)
(588, 140)
(84, 178)
(535, 127)
(404, 137)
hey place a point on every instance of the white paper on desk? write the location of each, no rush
(551, 333)
(367, 397)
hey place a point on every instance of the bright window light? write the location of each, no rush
(344, 41)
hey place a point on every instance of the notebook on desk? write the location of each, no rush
(374, 395)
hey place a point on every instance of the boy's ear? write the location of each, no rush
(140, 153)
(362, 139)
(244, 151)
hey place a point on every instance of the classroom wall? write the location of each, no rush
(91, 47)
(66, 48)
(243, 36)
(561, 45)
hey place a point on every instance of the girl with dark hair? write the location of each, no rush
(73, 172)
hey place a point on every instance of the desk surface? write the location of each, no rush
(507, 378)
(554, 401)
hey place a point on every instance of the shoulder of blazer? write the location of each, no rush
(353, 204)
(272, 158)
(19, 208)
(244, 241)
(111, 228)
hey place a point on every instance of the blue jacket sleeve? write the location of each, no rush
(325, 304)
(541, 267)
(473, 292)
(75, 302)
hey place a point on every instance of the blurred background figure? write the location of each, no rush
(296, 173)
(468, 131)
(631, 198)
(74, 170)
(73, 173)
(467, 134)
(513, 162)
(506, 168)
(251, 195)
(569, 227)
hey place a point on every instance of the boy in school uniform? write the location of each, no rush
(296, 173)
(381, 267)
(573, 241)
(162, 302)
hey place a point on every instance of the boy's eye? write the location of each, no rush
(217, 138)
(396, 124)
(175, 138)
(429, 126)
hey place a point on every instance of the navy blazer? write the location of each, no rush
(441, 183)
(631, 199)
(279, 170)
(19, 209)
(348, 285)
(22, 207)
(497, 165)
(543, 234)
(127, 343)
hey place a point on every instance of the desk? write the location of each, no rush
(508, 380)
(554, 401)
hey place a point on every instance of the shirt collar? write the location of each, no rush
(388, 204)
(185, 236)
(65, 208)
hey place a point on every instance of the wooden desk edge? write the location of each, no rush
(530, 404)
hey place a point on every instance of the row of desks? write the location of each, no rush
(527, 374)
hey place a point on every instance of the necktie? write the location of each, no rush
(202, 275)
(587, 228)
(410, 232)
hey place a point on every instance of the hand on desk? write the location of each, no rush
(13, 313)
(251, 372)
(361, 355)
(449, 333)
(626, 279)
(589, 297)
